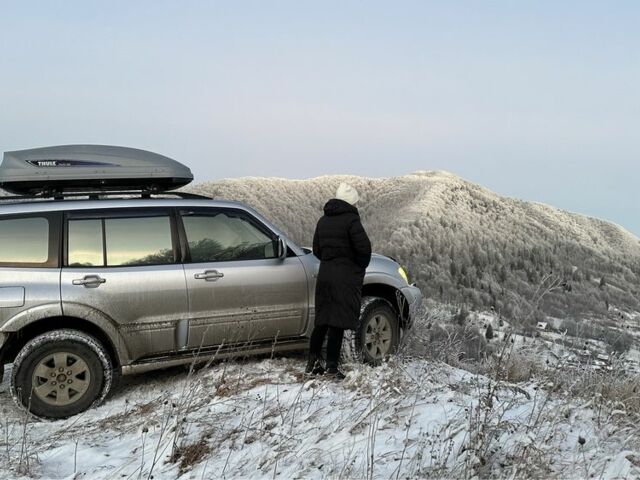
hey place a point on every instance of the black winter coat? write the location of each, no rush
(344, 249)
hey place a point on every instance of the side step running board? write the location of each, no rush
(158, 363)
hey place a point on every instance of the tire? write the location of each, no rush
(376, 314)
(60, 374)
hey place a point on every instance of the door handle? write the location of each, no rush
(89, 281)
(209, 275)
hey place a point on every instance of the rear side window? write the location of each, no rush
(25, 241)
(120, 241)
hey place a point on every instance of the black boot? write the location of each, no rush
(334, 373)
(314, 365)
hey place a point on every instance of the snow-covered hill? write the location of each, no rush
(464, 243)
(411, 197)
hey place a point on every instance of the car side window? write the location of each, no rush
(138, 241)
(85, 243)
(24, 241)
(221, 236)
(120, 241)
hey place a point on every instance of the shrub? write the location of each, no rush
(489, 332)
(620, 342)
(570, 326)
(462, 315)
(519, 367)
(455, 342)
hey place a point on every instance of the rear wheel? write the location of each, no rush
(61, 373)
(376, 335)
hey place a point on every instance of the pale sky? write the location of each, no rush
(537, 100)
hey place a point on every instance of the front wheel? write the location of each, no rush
(376, 335)
(61, 373)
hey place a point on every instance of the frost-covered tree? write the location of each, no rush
(489, 332)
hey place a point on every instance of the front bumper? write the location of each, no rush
(413, 296)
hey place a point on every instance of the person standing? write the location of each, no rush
(344, 250)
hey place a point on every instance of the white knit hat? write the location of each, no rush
(347, 193)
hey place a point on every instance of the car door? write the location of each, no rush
(239, 291)
(123, 264)
(30, 265)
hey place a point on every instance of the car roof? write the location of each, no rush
(37, 206)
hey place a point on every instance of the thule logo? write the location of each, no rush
(50, 163)
(69, 163)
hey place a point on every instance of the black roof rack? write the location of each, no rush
(100, 195)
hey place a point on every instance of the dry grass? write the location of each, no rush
(230, 388)
(188, 455)
(613, 388)
(137, 411)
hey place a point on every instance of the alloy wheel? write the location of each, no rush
(378, 335)
(61, 378)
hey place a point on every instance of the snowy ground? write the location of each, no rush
(260, 418)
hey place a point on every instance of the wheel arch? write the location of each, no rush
(18, 339)
(392, 295)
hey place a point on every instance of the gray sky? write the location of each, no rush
(538, 100)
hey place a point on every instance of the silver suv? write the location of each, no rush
(95, 286)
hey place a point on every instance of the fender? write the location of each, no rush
(31, 315)
(384, 279)
(88, 314)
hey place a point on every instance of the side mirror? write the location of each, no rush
(281, 248)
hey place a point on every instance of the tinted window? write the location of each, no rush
(24, 240)
(138, 241)
(85, 243)
(129, 241)
(226, 236)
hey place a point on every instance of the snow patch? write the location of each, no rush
(262, 418)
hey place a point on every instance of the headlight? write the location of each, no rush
(403, 274)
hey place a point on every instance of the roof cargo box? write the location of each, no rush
(79, 168)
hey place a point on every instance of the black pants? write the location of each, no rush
(334, 343)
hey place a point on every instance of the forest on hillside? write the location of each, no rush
(464, 245)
